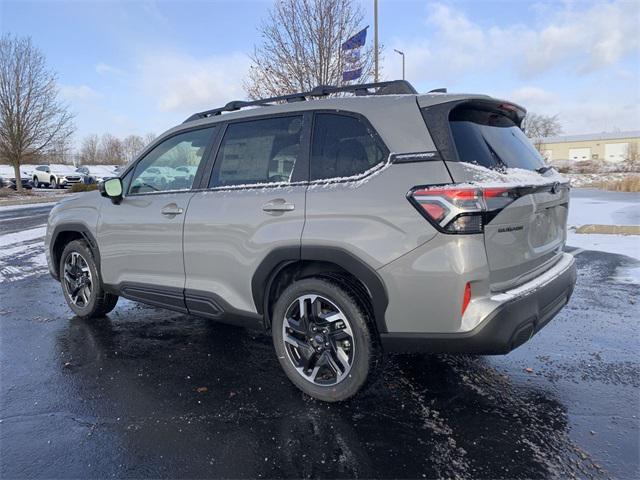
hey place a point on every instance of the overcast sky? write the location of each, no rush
(143, 66)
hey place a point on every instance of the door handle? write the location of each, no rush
(171, 209)
(278, 205)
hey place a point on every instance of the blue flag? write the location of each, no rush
(351, 48)
(357, 41)
(348, 75)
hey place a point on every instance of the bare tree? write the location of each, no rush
(537, 127)
(111, 150)
(302, 47)
(632, 162)
(90, 150)
(58, 152)
(148, 138)
(132, 146)
(31, 117)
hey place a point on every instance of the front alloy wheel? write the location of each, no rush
(81, 282)
(78, 280)
(318, 340)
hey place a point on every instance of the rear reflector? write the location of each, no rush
(460, 209)
(466, 297)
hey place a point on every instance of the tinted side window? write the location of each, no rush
(158, 170)
(258, 151)
(342, 146)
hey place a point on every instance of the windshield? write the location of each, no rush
(492, 140)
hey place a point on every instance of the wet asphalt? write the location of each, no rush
(148, 393)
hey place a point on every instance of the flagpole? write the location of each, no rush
(375, 39)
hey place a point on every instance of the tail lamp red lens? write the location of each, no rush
(466, 297)
(457, 209)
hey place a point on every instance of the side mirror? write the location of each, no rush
(111, 188)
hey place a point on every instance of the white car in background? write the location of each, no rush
(55, 176)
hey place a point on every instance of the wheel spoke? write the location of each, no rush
(293, 341)
(335, 365)
(333, 317)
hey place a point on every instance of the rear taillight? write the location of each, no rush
(454, 209)
(466, 297)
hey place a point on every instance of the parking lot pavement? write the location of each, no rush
(151, 393)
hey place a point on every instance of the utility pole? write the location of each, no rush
(375, 40)
(401, 53)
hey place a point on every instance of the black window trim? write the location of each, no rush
(201, 167)
(374, 134)
(205, 169)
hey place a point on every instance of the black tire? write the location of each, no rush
(100, 302)
(366, 356)
(53, 183)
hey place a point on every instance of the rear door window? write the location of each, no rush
(342, 146)
(492, 140)
(258, 152)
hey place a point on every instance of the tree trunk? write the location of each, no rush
(17, 173)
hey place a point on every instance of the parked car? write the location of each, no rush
(95, 174)
(10, 181)
(55, 176)
(346, 227)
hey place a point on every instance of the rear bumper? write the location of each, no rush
(518, 314)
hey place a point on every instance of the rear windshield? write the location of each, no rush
(492, 140)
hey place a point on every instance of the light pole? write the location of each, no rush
(401, 53)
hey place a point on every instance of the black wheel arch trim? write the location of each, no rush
(86, 234)
(281, 257)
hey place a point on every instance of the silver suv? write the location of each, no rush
(347, 226)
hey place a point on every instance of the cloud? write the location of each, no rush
(183, 83)
(78, 93)
(529, 95)
(106, 69)
(567, 38)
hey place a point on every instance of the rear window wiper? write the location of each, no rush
(542, 170)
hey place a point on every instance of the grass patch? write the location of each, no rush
(83, 187)
(610, 229)
(6, 192)
(629, 184)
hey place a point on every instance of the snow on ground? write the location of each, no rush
(603, 208)
(607, 208)
(22, 254)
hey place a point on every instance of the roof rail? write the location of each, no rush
(393, 87)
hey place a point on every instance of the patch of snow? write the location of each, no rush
(23, 236)
(628, 245)
(603, 209)
(628, 274)
(22, 255)
(509, 177)
(9, 208)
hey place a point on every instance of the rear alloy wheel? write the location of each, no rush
(318, 340)
(323, 339)
(81, 282)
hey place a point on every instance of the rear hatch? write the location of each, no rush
(525, 203)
